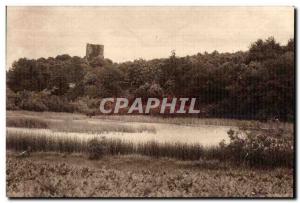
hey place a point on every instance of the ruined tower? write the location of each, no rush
(94, 50)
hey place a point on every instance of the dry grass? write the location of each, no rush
(40, 142)
(99, 128)
(58, 165)
(53, 175)
(238, 151)
(26, 123)
(152, 119)
(194, 121)
(260, 147)
(70, 125)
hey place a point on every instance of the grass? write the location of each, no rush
(69, 125)
(256, 162)
(271, 147)
(152, 119)
(54, 175)
(194, 121)
(238, 151)
(66, 144)
(26, 123)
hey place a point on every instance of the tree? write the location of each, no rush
(263, 50)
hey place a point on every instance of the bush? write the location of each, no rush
(11, 100)
(86, 105)
(263, 147)
(40, 101)
(34, 105)
(58, 104)
(95, 149)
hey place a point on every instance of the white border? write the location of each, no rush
(154, 2)
(4, 3)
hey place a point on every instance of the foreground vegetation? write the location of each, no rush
(54, 175)
(256, 161)
(259, 150)
(259, 147)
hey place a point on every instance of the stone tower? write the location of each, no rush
(94, 50)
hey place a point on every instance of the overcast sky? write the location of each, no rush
(129, 33)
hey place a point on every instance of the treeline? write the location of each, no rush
(255, 84)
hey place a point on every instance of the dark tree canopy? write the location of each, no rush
(255, 84)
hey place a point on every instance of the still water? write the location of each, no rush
(206, 135)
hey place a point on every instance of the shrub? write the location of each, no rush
(85, 105)
(41, 101)
(11, 100)
(11, 106)
(263, 147)
(34, 105)
(58, 104)
(95, 149)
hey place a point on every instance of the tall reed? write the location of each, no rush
(40, 142)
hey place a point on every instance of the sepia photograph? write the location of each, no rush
(150, 102)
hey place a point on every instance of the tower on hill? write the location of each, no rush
(94, 50)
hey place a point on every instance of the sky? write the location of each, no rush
(129, 33)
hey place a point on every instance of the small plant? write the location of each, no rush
(96, 149)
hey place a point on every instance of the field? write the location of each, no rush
(55, 175)
(138, 156)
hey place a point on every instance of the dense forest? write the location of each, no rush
(253, 84)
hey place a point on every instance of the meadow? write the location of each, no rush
(54, 175)
(251, 147)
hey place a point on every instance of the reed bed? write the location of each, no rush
(259, 150)
(26, 123)
(20, 141)
(261, 145)
(99, 128)
(195, 121)
(153, 119)
(70, 125)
